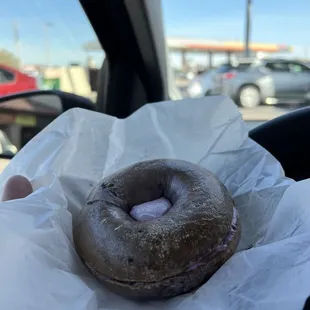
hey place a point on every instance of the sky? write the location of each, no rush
(274, 21)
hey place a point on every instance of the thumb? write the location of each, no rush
(16, 187)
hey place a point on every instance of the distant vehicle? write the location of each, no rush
(252, 82)
(268, 81)
(182, 78)
(14, 81)
(201, 84)
(38, 76)
(210, 81)
(183, 75)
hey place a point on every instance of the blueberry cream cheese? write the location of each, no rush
(157, 229)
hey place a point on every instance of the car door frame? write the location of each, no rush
(303, 79)
(284, 86)
(134, 71)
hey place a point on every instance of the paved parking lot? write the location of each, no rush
(263, 113)
(259, 115)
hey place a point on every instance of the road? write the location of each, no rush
(256, 116)
(263, 113)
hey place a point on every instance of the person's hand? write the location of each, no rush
(16, 187)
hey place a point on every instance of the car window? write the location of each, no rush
(228, 67)
(3, 79)
(53, 43)
(298, 68)
(277, 66)
(243, 66)
(45, 44)
(224, 68)
(212, 34)
(6, 76)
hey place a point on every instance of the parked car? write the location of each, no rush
(210, 81)
(201, 84)
(269, 81)
(13, 81)
(249, 84)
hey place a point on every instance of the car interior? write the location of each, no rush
(284, 137)
(131, 79)
(135, 72)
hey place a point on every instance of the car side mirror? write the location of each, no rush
(24, 115)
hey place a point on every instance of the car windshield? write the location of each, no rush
(243, 66)
(44, 45)
(50, 44)
(235, 36)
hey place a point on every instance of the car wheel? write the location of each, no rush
(249, 97)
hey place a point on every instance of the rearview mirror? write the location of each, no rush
(24, 115)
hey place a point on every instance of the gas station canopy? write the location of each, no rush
(196, 45)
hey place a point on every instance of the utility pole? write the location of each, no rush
(17, 42)
(247, 50)
(47, 27)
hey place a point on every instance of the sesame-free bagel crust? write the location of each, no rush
(155, 259)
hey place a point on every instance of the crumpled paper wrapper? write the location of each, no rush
(39, 266)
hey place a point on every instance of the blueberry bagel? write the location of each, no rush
(157, 229)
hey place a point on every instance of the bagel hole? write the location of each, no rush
(150, 210)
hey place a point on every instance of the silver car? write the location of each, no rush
(268, 81)
(210, 82)
(201, 84)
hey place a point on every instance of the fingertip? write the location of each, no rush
(17, 187)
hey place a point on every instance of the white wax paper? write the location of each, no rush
(39, 266)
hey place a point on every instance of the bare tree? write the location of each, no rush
(9, 59)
